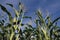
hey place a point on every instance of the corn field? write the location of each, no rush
(45, 29)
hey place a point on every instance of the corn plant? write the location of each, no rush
(46, 29)
(14, 24)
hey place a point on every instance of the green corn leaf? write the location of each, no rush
(30, 26)
(22, 24)
(40, 16)
(48, 21)
(45, 34)
(20, 8)
(9, 4)
(5, 10)
(54, 21)
(11, 37)
(27, 17)
(17, 13)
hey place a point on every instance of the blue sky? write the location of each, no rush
(53, 6)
